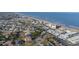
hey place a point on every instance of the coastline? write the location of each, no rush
(68, 27)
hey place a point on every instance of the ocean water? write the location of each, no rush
(66, 18)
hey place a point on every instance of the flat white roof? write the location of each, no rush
(74, 39)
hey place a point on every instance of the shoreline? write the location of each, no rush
(69, 27)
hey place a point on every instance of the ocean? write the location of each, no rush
(66, 18)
